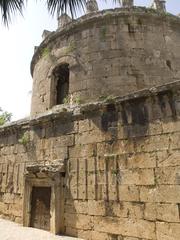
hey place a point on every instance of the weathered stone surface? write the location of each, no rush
(116, 158)
(161, 193)
(125, 226)
(162, 212)
(94, 41)
(166, 231)
(115, 187)
(91, 6)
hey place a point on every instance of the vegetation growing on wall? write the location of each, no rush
(45, 52)
(25, 138)
(70, 48)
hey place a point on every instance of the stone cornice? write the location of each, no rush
(67, 112)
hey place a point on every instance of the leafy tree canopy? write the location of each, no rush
(11, 7)
(4, 117)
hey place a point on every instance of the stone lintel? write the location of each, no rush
(47, 168)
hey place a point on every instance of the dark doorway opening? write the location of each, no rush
(40, 208)
(61, 74)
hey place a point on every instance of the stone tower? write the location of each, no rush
(110, 53)
(99, 157)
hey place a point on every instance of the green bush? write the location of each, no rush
(4, 117)
(25, 138)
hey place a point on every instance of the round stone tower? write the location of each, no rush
(105, 53)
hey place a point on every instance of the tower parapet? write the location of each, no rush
(160, 5)
(127, 3)
(91, 6)
(63, 20)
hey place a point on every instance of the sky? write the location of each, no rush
(17, 46)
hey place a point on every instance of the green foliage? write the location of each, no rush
(108, 99)
(66, 100)
(64, 109)
(151, 10)
(45, 52)
(78, 100)
(102, 97)
(4, 117)
(25, 139)
(114, 172)
(8, 8)
(70, 48)
(103, 32)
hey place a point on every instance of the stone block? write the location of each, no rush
(155, 128)
(118, 147)
(96, 208)
(62, 141)
(4, 208)
(125, 227)
(92, 187)
(16, 209)
(131, 238)
(162, 212)
(150, 211)
(87, 150)
(65, 128)
(84, 234)
(141, 160)
(81, 207)
(153, 143)
(167, 212)
(70, 231)
(168, 158)
(170, 126)
(128, 193)
(175, 140)
(134, 210)
(99, 235)
(137, 177)
(59, 153)
(161, 194)
(73, 165)
(84, 125)
(76, 206)
(167, 231)
(168, 175)
(79, 221)
(92, 137)
(116, 209)
(130, 210)
(92, 164)
(82, 191)
(8, 198)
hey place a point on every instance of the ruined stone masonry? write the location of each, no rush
(99, 156)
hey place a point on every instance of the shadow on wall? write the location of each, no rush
(135, 115)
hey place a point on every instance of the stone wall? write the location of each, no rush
(122, 164)
(112, 52)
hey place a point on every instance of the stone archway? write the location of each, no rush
(43, 205)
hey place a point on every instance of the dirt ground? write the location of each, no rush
(13, 231)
